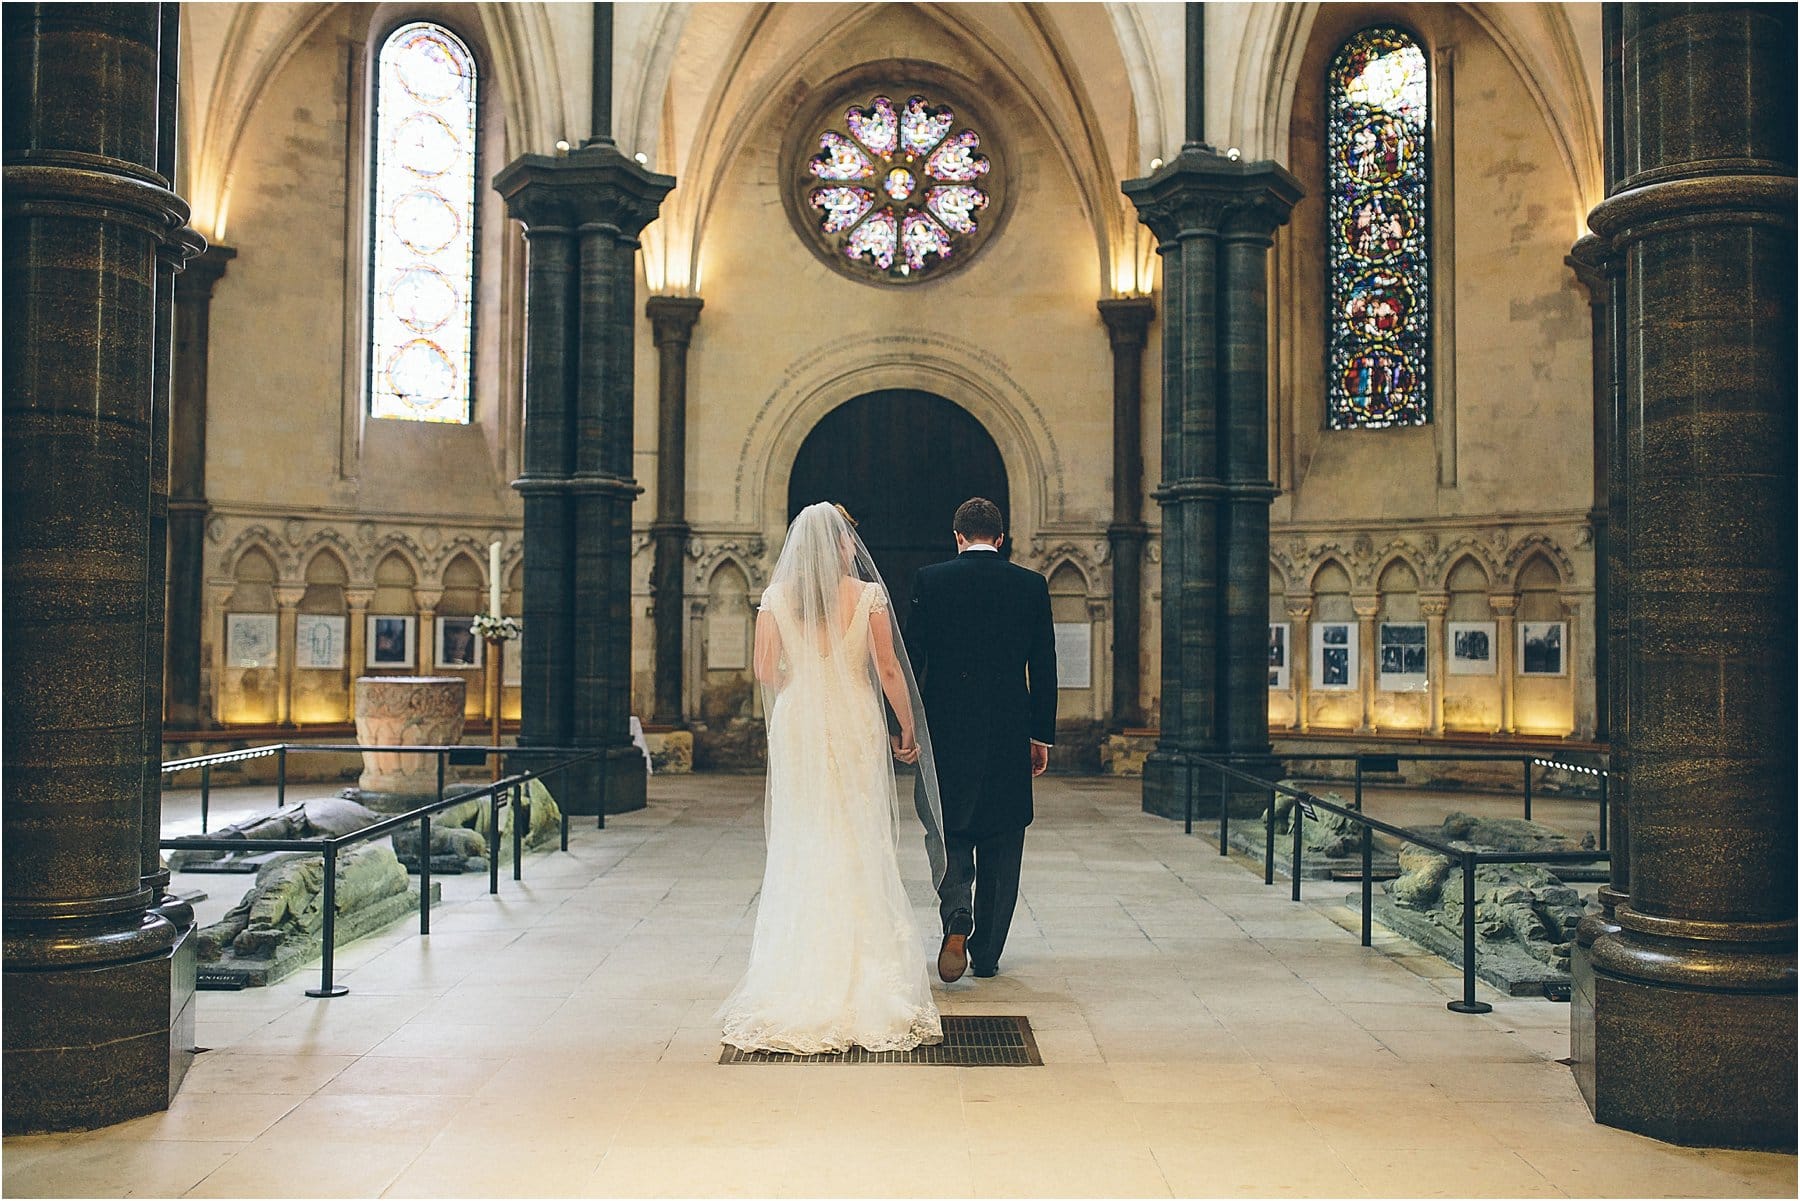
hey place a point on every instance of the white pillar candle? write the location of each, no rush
(493, 579)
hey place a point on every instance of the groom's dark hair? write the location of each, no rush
(978, 517)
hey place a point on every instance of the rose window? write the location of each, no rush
(900, 192)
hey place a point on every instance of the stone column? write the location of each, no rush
(1612, 631)
(1299, 615)
(1503, 608)
(287, 611)
(357, 640)
(185, 707)
(1368, 656)
(1127, 325)
(582, 212)
(1213, 219)
(95, 979)
(1694, 994)
(672, 321)
(170, 259)
(425, 653)
(1434, 605)
(212, 624)
(1589, 259)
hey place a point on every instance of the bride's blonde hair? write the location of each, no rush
(844, 513)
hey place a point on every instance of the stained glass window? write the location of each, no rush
(1379, 260)
(421, 305)
(896, 191)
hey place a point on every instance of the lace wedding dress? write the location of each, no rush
(836, 959)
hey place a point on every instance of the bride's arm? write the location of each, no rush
(768, 649)
(887, 667)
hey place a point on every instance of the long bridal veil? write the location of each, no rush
(829, 667)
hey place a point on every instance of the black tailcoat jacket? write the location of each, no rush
(981, 643)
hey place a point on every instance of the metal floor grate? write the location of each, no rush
(969, 1042)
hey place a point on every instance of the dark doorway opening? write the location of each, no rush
(901, 461)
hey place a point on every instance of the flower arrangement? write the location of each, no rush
(496, 629)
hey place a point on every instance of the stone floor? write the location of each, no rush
(1203, 1036)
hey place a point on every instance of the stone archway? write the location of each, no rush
(901, 460)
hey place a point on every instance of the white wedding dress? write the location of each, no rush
(836, 959)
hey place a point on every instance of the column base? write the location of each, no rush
(618, 776)
(1697, 1067)
(92, 1046)
(1166, 785)
(1168, 780)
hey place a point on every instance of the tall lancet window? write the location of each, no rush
(421, 283)
(1378, 252)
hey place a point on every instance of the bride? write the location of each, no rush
(835, 959)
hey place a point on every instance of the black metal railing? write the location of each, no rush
(509, 791)
(1307, 805)
(1384, 763)
(446, 755)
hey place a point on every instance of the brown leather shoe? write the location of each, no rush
(953, 958)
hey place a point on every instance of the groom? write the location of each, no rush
(982, 646)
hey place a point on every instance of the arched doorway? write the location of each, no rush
(900, 461)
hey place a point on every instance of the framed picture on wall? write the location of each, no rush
(391, 640)
(457, 643)
(1402, 667)
(249, 640)
(1278, 656)
(512, 662)
(1471, 647)
(1334, 656)
(319, 641)
(1542, 646)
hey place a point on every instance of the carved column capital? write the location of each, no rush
(1128, 319)
(672, 318)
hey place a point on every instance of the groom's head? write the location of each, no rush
(978, 521)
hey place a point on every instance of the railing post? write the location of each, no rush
(1187, 794)
(1527, 788)
(425, 874)
(1299, 818)
(1359, 805)
(442, 756)
(1368, 885)
(1224, 810)
(326, 987)
(1269, 847)
(281, 777)
(1605, 783)
(518, 827)
(1469, 1004)
(493, 840)
(205, 793)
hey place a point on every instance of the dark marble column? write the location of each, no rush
(672, 321)
(185, 706)
(1590, 261)
(95, 978)
(1694, 994)
(171, 257)
(1213, 218)
(1128, 324)
(582, 212)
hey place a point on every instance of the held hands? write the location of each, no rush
(1040, 759)
(906, 749)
